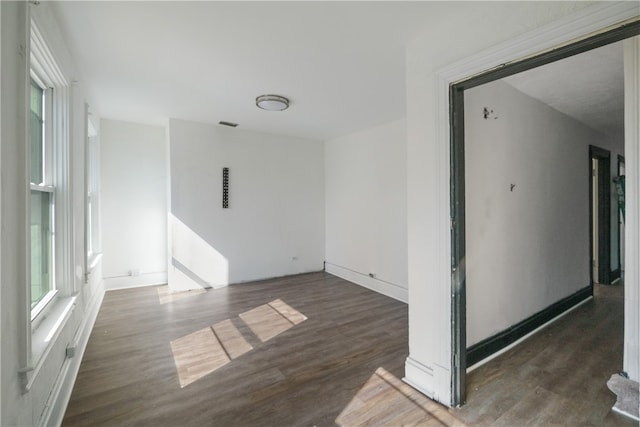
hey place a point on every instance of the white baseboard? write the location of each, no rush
(61, 392)
(126, 282)
(432, 381)
(385, 288)
(419, 376)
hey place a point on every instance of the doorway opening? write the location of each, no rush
(459, 260)
(599, 214)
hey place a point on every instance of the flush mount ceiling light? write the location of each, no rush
(272, 102)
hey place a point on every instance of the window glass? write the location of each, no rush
(42, 196)
(37, 133)
(41, 265)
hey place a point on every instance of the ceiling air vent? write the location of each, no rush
(223, 123)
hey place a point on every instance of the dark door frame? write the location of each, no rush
(619, 272)
(603, 157)
(457, 177)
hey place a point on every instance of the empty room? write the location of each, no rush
(319, 213)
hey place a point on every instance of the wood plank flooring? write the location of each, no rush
(306, 350)
(558, 376)
(315, 350)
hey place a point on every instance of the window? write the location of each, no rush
(42, 197)
(50, 285)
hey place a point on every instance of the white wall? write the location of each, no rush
(526, 248)
(632, 214)
(3, 76)
(134, 204)
(480, 26)
(275, 223)
(51, 380)
(366, 212)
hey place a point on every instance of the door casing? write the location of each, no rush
(457, 178)
(603, 239)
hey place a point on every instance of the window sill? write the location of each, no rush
(45, 335)
(41, 310)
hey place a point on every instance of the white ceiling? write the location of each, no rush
(342, 64)
(588, 87)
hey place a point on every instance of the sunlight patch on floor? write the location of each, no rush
(272, 319)
(292, 315)
(231, 338)
(198, 354)
(386, 400)
(204, 351)
(165, 295)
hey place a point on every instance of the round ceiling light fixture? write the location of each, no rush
(272, 102)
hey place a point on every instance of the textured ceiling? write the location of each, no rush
(588, 87)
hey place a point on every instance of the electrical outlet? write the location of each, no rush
(71, 351)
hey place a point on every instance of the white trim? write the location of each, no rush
(86, 193)
(626, 414)
(92, 197)
(169, 226)
(579, 25)
(43, 61)
(127, 282)
(632, 200)
(64, 192)
(43, 188)
(61, 392)
(389, 289)
(38, 338)
(1, 186)
(24, 206)
(45, 336)
(39, 309)
(91, 128)
(419, 376)
(93, 261)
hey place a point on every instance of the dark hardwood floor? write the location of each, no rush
(315, 350)
(286, 371)
(558, 376)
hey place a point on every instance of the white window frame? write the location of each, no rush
(42, 330)
(92, 217)
(46, 186)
